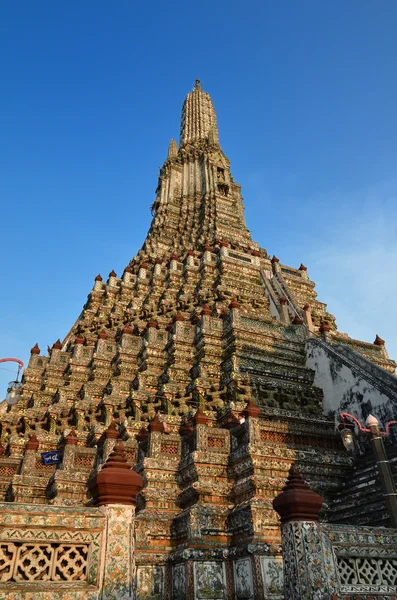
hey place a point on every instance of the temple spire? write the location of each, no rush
(172, 149)
(198, 117)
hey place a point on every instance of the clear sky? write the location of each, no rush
(91, 92)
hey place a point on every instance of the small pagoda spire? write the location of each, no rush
(111, 433)
(378, 341)
(251, 410)
(172, 149)
(142, 434)
(32, 443)
(200, 418)
(71, 439)
(156, 425)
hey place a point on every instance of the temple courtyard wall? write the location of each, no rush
(51, 553)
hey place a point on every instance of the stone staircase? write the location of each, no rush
(359, 500)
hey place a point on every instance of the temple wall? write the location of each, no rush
(88, 553)
(338, 562)
(345, 389)
(56, 552)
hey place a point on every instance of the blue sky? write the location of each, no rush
(305, 94)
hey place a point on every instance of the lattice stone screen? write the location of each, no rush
(43, 562)
(365, 559)
(55, 550)
(367, 571)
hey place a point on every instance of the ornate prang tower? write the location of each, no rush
(218, 368)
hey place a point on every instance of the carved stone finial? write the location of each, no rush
(57, 345)
(35, 349)
(251, 410)
(112, 273)
(103, 335)
(152, 323)
(197, 85)
(71, 439)
(111, 432)
(324, 328)
(275, 259)
(179, 317)
(234, 304)
(116, 483)
(283, 300)
(206, 311)
(302, 267)
(156, 425)
(297, 502)
(98, 278)
(142, 434)
(127, 330)
(378, 341)
(297, 321)
(200, 418)
(33, 443)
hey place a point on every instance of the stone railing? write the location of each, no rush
(288, 294)
(270, 291)
(332, 562)
(360, 366)
(365, 558)
(387, 379)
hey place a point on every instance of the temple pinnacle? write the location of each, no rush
(198, 117)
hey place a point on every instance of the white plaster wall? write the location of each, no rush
(345, 391)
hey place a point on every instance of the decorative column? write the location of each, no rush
(384, 468)
(324, 330)
(115, 488)
(309, 569)
(308, 316)
(276, 264)
(284, 310)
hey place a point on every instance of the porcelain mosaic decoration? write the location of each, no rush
(218, 368)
